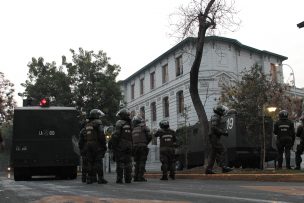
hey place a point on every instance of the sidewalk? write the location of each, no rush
(238, 175)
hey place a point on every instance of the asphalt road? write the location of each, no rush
(48, 190)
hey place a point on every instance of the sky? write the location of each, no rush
(133, 32)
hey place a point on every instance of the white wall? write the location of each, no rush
(221, 60)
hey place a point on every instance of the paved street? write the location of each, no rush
(63, 191)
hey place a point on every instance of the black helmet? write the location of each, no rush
(231, 111)
(123, 114)
(220, 110)
(136, 120)
(164, 124)
(96, 114)
(283, 114)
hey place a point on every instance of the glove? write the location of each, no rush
(225, 134)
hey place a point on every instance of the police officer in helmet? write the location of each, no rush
(121, 142)
(285, 132)
(217, 150)
(92, 143)
(167, 138)
(141, 138)
(300, 147)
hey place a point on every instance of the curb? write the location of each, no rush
(237, 177)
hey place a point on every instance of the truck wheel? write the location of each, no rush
(73, 172)
(17, 174)
(21, 174)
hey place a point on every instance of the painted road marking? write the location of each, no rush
(223, 197)
(288, 190)
(87, 199)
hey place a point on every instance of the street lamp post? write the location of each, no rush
(293, 78)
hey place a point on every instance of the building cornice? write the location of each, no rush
(192, 40)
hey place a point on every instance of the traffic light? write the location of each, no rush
(44, 102)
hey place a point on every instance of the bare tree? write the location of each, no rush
(198, 18)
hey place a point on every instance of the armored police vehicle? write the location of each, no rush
(191, 149)
(42, 142)
(242, 143)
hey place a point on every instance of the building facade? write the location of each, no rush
(160, 90)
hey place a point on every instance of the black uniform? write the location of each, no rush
(300, 147)
(92, 144)
(167, 151)
(122, 148)
(141, 137)
(284, 129)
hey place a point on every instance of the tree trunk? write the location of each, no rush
(198, 105)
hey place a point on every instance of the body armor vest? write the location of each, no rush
(166, 139)
(218, 123)
(284, 130)
(126, 133)
(139, 136)
(90, 133)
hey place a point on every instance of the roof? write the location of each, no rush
(44, 108)
(207, 39)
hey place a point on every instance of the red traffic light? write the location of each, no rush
(44, 102)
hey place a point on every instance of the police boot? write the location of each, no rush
(89, 180)
(172, 176)
(140, 175)
(136, 178)
(164, 177)
(142, 179)
(226, 169)
(101, 180)
(94, 179)
(119, 181)
(288, 163)
(83, 178)
(128, 180)
(209, 171)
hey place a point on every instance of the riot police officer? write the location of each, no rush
(284, 129)
(217, 150)
(167, 149)
(141, 138)
(300, 147)
(121, 143)
(92, 144)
